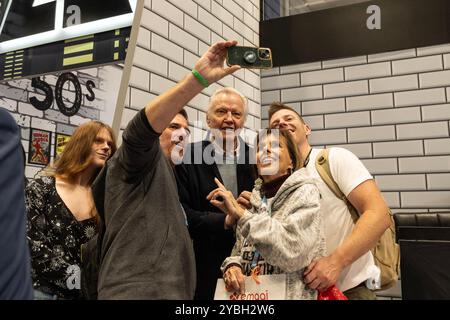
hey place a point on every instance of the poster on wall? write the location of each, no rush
(39, 148)
(60, 143)
(61, 102)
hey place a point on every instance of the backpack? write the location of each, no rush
(386, 252)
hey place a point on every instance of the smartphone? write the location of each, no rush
(250, 57)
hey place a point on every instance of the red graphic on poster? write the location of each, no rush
(39, 150)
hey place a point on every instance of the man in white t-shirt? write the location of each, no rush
(350, 262)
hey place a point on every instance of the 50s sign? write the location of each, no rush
(70, 109)
(29, 23)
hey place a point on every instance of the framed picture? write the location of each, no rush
(39, 149)
(60, 143)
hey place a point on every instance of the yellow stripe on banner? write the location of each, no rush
(9, 70)
(7, 74)
(9, 54)
(116, 56)
(17, 73)
(9, 58)
(127, 39)
(117, 32)
(17, 69)
(18, 64)
(19, 51)
(116, 43)
(79, 38)
(79, 47)
(8, 65)
(79, 59)
(18, 60)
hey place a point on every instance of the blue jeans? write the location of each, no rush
(39, 295)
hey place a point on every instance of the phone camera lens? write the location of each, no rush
(249, 57)
(264, 54)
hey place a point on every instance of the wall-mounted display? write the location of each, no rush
(95, 49)
(358, 29)
(30, 23)
(46, 36)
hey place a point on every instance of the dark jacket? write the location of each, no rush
(146, 252)
(15, 274)
(212, 243)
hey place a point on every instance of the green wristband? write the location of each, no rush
(200, 78)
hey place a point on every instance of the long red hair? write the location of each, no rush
(76, 156)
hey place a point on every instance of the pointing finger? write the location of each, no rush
(219, 184)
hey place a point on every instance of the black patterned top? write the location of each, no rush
(55, 238)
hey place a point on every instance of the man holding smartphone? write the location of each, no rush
(146, 252)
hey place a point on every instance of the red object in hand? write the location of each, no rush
(332, 293)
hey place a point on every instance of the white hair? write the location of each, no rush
(232, 91)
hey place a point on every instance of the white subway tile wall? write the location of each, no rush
(368, 71)
(398, 148)
(361, 150)
(296, 68)
(417, 65)
(390, 109)
(394, 55)
(446, 61)
(176, 33)
(321, 76)
(392, 84)
(369, 102)
(437, 146)
(438, 181)
(393, 116)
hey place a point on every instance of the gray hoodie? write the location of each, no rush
(288, 237)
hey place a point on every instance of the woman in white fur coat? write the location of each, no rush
(282, 232)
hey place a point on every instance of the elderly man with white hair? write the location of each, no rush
(223, 155)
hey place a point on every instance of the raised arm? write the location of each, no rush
(140, 145)
(211, 66)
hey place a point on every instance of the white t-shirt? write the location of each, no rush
(348, 172)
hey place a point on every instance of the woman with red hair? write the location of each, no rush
(61, 212)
